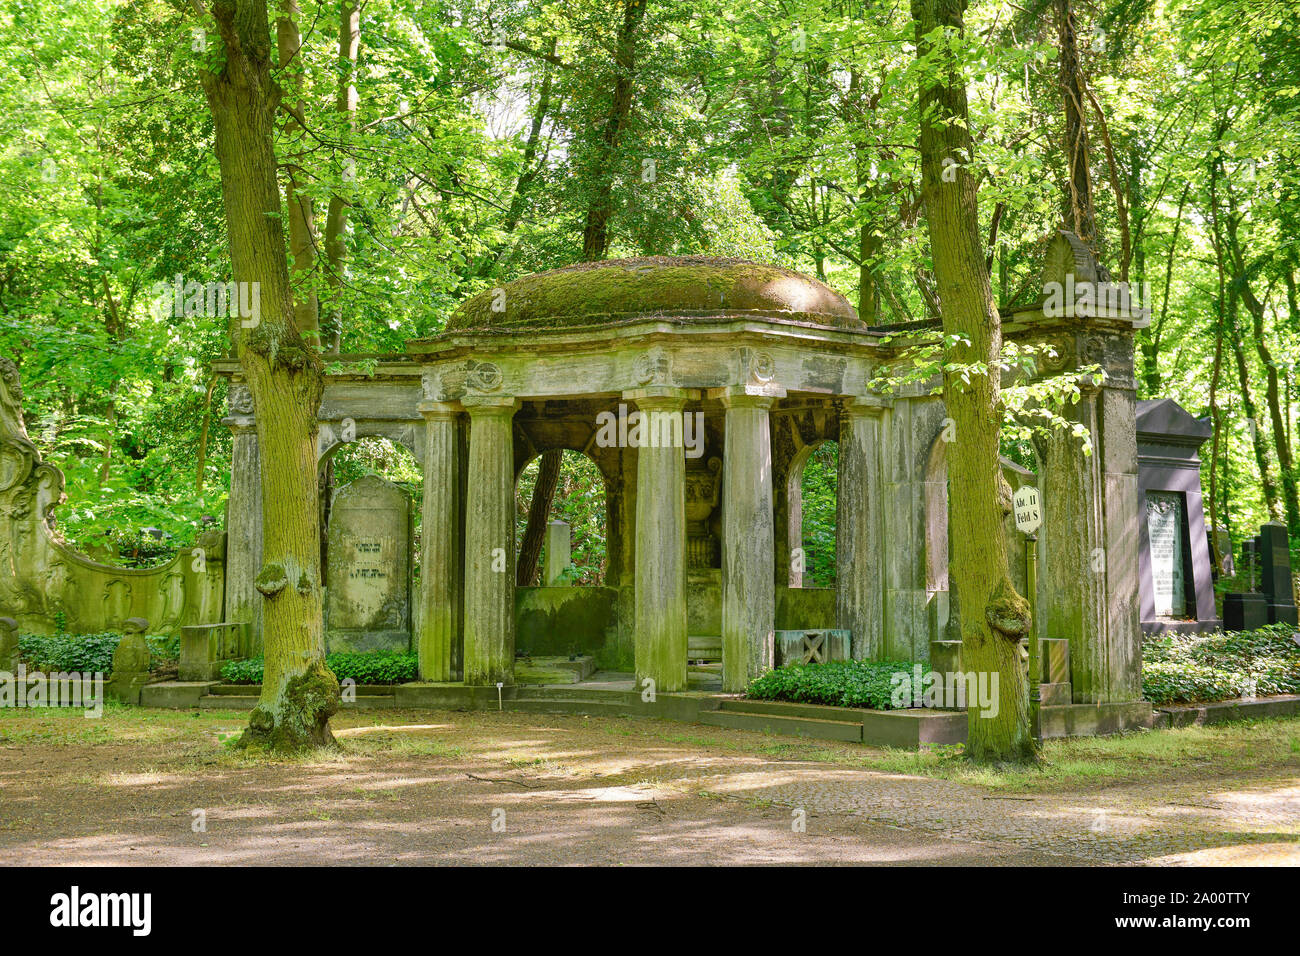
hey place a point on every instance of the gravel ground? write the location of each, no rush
(488, 788)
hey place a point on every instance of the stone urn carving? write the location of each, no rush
(703, 486)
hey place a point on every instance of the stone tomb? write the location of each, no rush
(368, 569)
(1174, 569)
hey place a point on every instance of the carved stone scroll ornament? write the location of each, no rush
(484, 377)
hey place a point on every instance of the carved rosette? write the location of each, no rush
(484, 377)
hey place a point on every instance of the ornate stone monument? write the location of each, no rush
(368, 569)
(1174, 568)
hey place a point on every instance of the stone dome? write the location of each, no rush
(670, 287)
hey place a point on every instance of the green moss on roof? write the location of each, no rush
(591, 293)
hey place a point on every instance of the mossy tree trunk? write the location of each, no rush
(994, 617)
(285, 375)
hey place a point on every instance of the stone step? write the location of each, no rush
(778, 724)
(571, 692)
(782, 708)
(594, 708)
(704, 648)
(248, 702)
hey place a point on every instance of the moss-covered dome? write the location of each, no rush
(619, 290)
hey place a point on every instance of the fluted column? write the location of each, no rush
(748, 542)
(659, 614)
(442, 561)
(490, 543)
(859, 538)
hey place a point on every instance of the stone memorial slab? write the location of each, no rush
(1175, 572)
(1275, 573)
(1165, 520)
(368, 569)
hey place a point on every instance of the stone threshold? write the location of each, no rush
(1225, 711)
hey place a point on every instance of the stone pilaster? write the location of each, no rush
(490, 543)
(1089, 540)
(244, 523)
(659, 612)
(748, 545)
(859, 539)
(442, 560)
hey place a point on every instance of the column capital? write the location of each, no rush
(747, 396)
(479, 405)
(860, 405)
(439, 411)
(240, 423)
(660, 398)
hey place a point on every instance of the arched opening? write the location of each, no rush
(370, 494)
(813, 496)
(579, 501)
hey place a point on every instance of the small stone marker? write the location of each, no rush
(559, 553)
(130, 668)
(1028, 509)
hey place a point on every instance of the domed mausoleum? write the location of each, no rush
(699, 387)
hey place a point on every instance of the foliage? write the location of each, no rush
(820, 488)
(836, 683)
(1193, 668)
(88, 653)
(376, 668)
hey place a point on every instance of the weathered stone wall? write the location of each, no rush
(556, 621)
(43, 581)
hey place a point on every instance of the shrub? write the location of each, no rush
(1197, 668)
(837, 683)
(376, 668)
(88, 653)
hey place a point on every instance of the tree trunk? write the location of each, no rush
(336, 219)
(285, 375)
(302, 213)
(1078, 186)
(994, 617)
(595, 235)
(539, 509)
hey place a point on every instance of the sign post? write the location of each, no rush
(1029, 517)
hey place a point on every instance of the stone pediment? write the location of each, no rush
(1164, 421)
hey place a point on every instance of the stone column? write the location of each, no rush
(244, 522)
(490, 543)
(442, 561)
(1089, 538)
(659, 604)
(859, 538)
(559, 552)
(748, 541)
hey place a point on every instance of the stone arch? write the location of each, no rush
(794, 505)
(331, 436)
(610, 499)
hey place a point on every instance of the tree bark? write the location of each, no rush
(1078, 192)
(302, 213)
(336, 219)
(539, 509)
(994, 617)
(595, 235)
(285, 375)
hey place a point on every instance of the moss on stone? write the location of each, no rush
(605, 292)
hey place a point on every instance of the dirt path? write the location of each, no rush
(481, 788)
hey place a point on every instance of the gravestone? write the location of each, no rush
(1175, 579)
(559, 553)
(1275, 573)
(368, 568)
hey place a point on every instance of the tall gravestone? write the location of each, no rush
(1275, 573)
(368, 568)
(1174, 567)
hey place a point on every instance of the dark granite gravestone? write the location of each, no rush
(1275, 573)
(1174, 571)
